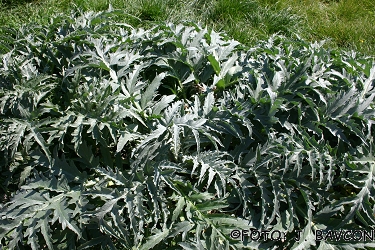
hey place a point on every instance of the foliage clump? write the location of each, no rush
(172, 137)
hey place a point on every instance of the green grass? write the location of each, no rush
(347, 24)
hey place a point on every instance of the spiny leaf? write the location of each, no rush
(154, 239)
(151, 89)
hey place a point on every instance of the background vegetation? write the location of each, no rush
(347, 24)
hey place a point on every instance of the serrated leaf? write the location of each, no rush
(154, 240)
(162, 104)
(180, 205)
(149, 94)
(181, 227)
(62, 215)
(124, 138)
(208, 103)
